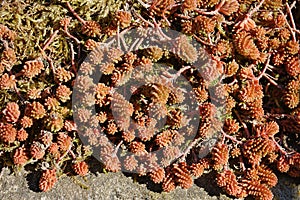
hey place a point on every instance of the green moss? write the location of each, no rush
(35, 21)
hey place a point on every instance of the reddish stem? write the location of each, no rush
(117, 149)
(18, 93)
(249, 14)
(187, 150)
(65, 154)
(202, 41)
(289, 26)
(225, 135)
(75, 14)
(255, 9)
(278, 146)
(243, 124)
(50, 40)
(265, 68)
(216, 11)
(292, 21)
(182, 16)
(73, 59)
(69, 35)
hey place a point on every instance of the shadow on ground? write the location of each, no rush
(99, 185)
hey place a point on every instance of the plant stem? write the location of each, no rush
(75, 14)
(50, 40)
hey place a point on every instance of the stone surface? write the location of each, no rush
(117, 186)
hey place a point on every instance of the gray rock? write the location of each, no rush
(117, 186)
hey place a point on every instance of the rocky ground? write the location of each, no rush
(112, 186)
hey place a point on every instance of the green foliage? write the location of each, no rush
(33, 22)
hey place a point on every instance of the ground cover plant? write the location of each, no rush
(245, 99)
